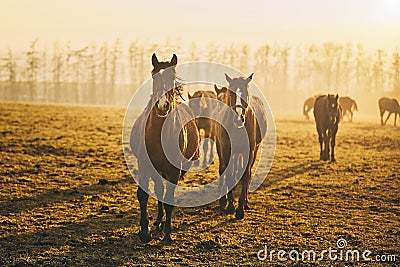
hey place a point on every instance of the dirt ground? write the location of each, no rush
(68, 199)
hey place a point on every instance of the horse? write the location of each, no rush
(220, 92)
(389, 105)
(245, 110)
(204, 108)
(308, 105)
(348, 105)
(145, 142)
(327, 114)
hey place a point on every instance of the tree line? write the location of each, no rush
(108, 74)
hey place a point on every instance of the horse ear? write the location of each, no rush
(190, 97)
(174, 60)
(249, 78)
(154, 60)
(337, 96)
(216, 89)
(228, 79)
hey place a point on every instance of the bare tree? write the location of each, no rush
(396, 72)
(104, 71)
(44, 76)
(115, 54)
(57, 68)
(32, 70)
(79, 56)
(11, 90)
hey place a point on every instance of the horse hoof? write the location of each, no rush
(239, 214)
(230, 209)
(145, 237)
(158, 226)
(222, 203)
(167, 240)
(333, 160)
(247, 207)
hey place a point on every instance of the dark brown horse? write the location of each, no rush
(348, 105)
(146, 144)
(389, 105)
(204, 108)
(308, 105)
(327, 116)
(240, 117)
(220, 92)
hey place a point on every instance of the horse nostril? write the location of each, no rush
(166, 105)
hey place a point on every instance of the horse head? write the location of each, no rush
(198, 107)
(237, 98)
(164, 76)
(333, 109)
(220, 92)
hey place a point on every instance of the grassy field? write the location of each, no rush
(68, 199)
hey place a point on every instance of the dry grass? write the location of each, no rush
(67, 198)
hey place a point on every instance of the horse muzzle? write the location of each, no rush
(162, 110)
(239, 121)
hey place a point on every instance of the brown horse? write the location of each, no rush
(220, 92)
(241, 117)
(348, 105)
(389, 105)
(204, 108)
(327, 116)
(147, 146)
(308, 105)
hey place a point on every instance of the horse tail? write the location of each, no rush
(304, 109)
(355, 105)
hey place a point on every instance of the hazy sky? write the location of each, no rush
(376, 24)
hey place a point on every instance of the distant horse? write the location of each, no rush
(348, 105)
(308, 105)
(205, 108)
(243, 117)
(147, 147)
(389, 105)
(327, 116)
(220, 92)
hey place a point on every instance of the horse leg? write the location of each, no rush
(222, 183)
(230, 181)
(169, 197)
(351, 116)
(395, 117)
(143, 197)
(211, 158)
(239, 214)
(320, 139)
(390, 113)
(205, 150)
(382, 112)
(326, 146)
(159, 190)
(333, 142)
(222, 187)
(246, 203)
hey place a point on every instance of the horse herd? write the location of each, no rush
(348, 106)
(235, 110)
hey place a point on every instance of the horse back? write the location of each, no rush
(387, 104)
(261, 117)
